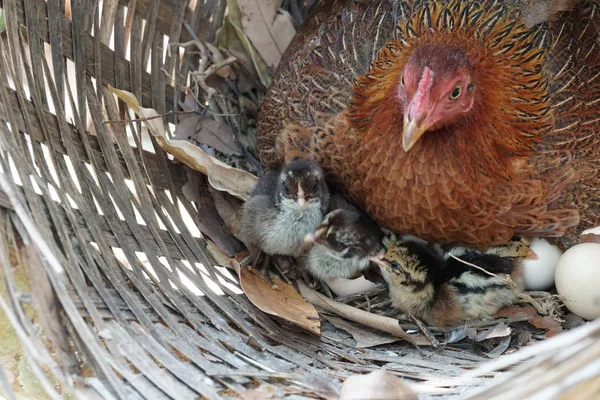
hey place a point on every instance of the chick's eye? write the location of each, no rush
(455, 93)
(334, 243)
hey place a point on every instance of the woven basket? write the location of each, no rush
(110, 294)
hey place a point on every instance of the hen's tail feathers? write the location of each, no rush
(552, 223)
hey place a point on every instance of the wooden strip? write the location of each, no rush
(164, 18)
(135, 354)
(55, 13)
(186, 372)
(16, 109)
(84, 45)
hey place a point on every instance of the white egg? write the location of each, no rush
(593, 231)
(539, 274)
(578, 279)
(346, 287)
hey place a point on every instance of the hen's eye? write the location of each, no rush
(455, 93)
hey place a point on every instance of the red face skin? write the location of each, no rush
(434, 95)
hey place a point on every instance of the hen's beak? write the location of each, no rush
(417, 111)
(413, 130)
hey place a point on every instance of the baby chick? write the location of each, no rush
(284, 207)
(342, 245)
(430, 284)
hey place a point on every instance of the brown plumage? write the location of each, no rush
(367, 89)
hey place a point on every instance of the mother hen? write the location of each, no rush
(457, 121)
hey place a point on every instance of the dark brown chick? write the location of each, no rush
(428, 283)
(284, 207)
(342, 245)
(465, 122)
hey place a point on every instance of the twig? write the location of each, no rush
(525, 298)
(201, 75)
(491, 322)
(279, 375)
(434, 342)
(368, 302)
(358, 296)
(384, 324)
(563, 340)
(327, 291)
(509, 281)
(214, 68)
(281, 272)
(126, 121)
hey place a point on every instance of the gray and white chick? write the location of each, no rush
(284, 207)
(342, 245)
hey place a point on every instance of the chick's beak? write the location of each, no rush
(312, 237)
(414, 128)
(309, 238)
(301, 197)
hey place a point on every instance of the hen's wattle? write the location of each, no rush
(522, 159)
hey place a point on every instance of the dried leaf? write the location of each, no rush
(346, 287)
(263, 392)
(365, 337)
(499, 330)
(192, 188)
(220, 175)
(325, 386)
(269, 30)
(232, 37)
(284, 302)
(218, 255)
(204, 129)
(500, 348)
(457, 335)
(207, 219)
(572, 321)
(229, 209)
(380, 385)
(553, 327)
(548, 323)
(384, 324)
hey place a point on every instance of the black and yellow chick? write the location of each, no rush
(283, 208)
(342, 245)
(429, 283)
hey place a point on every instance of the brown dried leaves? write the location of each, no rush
(284, 302)
(220, 175)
